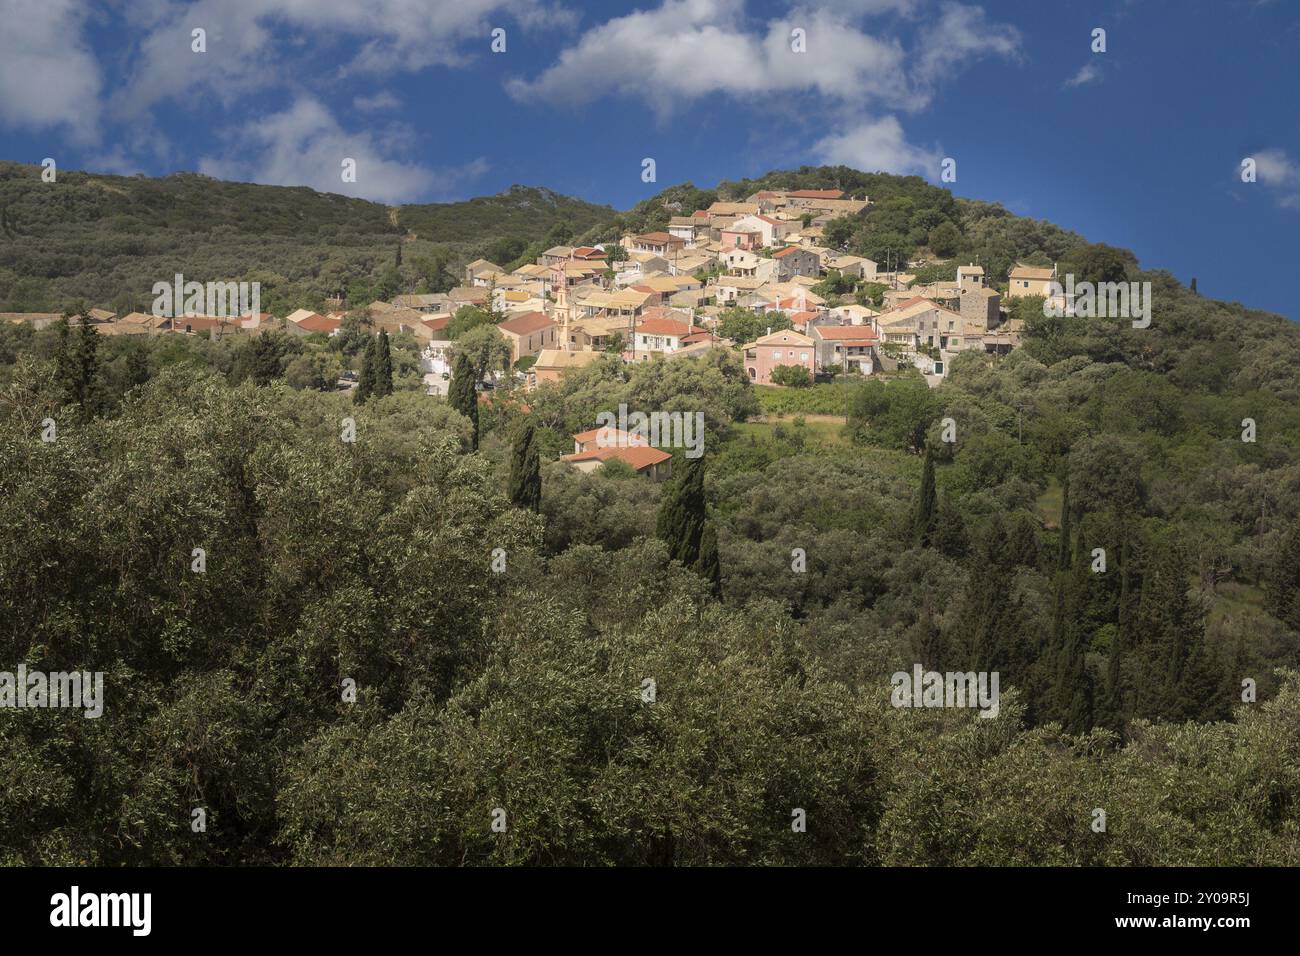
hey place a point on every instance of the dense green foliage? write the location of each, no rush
(500, 655)
(512, 219)
(108, 239)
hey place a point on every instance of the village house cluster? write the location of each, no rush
(662, 294)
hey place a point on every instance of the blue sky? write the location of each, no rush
(1140, 146)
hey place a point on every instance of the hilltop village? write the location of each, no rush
(758, 266)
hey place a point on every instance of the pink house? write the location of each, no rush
(786, 347)
(742, 239)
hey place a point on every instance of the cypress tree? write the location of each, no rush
(708, 564)
(525, 469)
(1110, 711)
(1170, 624)
(65, 373)
(462, 394)
(266, 359)
(137, 366)
(923, 514)
(680, 524)
(366, 380)
(85, 368)
(1282, 581)
(1073, 693)
(383, 371)
(1063, 550)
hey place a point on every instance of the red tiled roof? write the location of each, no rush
(639, 457)
(847, 333)
(526, 324)
(667, 327)
(613, 437)
(817, 194)
(318, 323)
(785, 252)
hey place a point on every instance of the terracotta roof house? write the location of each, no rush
(663, 331)
(480, 271)
(467, 295)
(658, 243)
(308, 322)
(551, 364)
(1030, 280)
(786, 347)
(436, 323)
(607, 436)
(528, 334)
(917, 322)
(793, 261)
(840, 345)
(554, 255)
(641, 458)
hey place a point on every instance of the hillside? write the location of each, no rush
(107, 239)
(522, 212)
(369, 567)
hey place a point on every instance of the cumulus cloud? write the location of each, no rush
(1088, 73)
(687, 49)
(305, 146)
(684, 50)
(1280, 174)
(48, 75)
(255, 44)
(876, 146)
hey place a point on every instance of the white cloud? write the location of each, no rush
(383, 100)
(961, 35)
(684, 50)
(48, 76)
(876, 146)
(1281, 174)
(1088, 73)
(687, 49)
(256, 44)
(305, 146)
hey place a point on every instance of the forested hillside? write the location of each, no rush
(105, 240)
(500, 651)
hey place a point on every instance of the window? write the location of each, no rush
(803, 356)
(776, 356)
